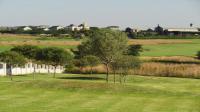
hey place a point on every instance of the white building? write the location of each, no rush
(28, 69)
(83, 26)
(60, 28)
(46, 29)
(180, 31)
(27, 28)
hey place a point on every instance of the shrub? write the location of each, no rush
(198, 55)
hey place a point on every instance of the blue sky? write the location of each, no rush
(133, 13)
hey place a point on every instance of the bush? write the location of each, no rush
(198, 55)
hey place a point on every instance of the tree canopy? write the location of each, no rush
(105, 44)
(12, 59)
(27, 51)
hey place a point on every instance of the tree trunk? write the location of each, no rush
(54, 74)
(124, 78)
(91, 70)
(107, 73)
(120, 78)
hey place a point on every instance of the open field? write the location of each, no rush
(152, 47)
(79, 93)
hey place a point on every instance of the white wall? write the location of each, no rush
(2, 69)
(30, 68)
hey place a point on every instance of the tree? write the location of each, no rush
(54, 56)
(198, 54)
(123, 64)
(134, 50)
(29, 52)
(12, 59)
(159, 30)
(91, 61)
(130, 33)
(106, 44)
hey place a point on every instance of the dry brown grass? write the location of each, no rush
(169, 70)
(176, 66)
(172, 59)
(40, 43)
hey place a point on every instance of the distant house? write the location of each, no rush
(56, 28)
(60, 28)
(83, 26)
(113, 27)
(27, 28)
(182, 31)
(46, 29)
(72, 27)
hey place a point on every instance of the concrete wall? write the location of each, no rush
(29, 68)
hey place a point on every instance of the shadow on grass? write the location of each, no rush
(82, 78)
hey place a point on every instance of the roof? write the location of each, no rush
(183, 29)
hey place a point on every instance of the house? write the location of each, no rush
(46, 29)
(83, 26)
(182, 31)
(28, 69)
(60, 28)
(73, 27)
(27, 28)
(56, 28)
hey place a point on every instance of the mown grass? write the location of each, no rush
(79, 93)
(189, 49)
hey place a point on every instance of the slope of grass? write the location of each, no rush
(80, 93)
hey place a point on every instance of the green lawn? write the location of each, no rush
(188, 49)
(79, 93)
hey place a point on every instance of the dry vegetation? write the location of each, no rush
(41, 43)
(169, 70)
(176, 66)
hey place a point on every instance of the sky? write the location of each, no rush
(124, 13)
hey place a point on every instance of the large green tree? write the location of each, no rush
(105, 44)
(12, 59)
(54, 56)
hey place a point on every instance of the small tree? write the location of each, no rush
(12, 59)
(91, 61)
(29, 52)
(123, 64)
(198, 54)
(106, 44)
(134, 50)
(54, 56)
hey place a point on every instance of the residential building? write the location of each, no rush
(182, 31)
(27, 28)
